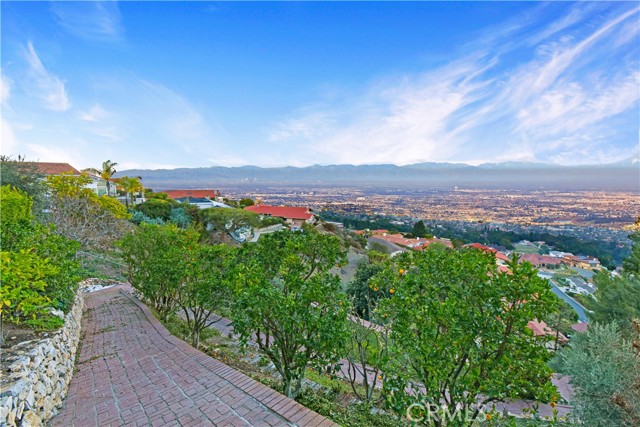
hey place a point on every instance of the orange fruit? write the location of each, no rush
(391, 290)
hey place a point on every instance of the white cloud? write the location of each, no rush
(548, 107)
(48, 87)
(95, 114)
(5, 88)
(9, 141)
(90, 20)
(48, 153)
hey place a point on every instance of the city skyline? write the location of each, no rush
(165, 85)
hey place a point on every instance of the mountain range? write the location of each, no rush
(621, 176)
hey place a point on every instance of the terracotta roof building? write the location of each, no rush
(294, 216)
(196, 194)
(48, 168)
(541, 329)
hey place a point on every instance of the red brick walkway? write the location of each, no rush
(131, 371)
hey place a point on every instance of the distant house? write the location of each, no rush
(501, 258)
(201, 198)
(196, 194)
(48, 168)
(539, 261)
(98, 185)
(542, 330)
(580, 327)
(294, 216)
(415, 243)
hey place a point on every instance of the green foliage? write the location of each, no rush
(287, 297)
(355, 415)
(25, 177)
(158, 196)
(23, 284)
(226, 219)
(130, 185)
(205, 287)
(246, 202)
(616, 299)
(138, 217)
(39, 269)
(113, 206)
(156, 256)
(605, 374)
(458, 327)
(156, 208)
(631, 264)
(419, 230)
(180, 218)
(364, 296)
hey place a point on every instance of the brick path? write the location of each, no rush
(131, 371)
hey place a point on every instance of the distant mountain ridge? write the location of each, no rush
(621, 176)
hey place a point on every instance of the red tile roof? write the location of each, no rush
(47, 168)
(537, 260)
(482, 247)
(198, 194)
(580, 327)
(541, 329)
(287, 212)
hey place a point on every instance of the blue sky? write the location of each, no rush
(177, 84)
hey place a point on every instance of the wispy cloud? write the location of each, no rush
(94, 114)
(553, 93)
(44, 84)
(5, 88)
(90, 20)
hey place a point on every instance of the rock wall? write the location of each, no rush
(39, 372)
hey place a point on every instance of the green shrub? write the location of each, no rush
(156, 208)
(39, 269)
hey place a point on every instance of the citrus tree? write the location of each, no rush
(289, 302)
(205, 287)
(459, 335)
(156, 256)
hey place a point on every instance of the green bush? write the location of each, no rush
(156, 208)
(39, 269)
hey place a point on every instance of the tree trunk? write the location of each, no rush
(195, 338)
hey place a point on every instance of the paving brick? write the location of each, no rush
(133, 372)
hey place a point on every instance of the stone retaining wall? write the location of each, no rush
(39, 372)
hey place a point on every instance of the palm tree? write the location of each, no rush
(107, 171)
(130, 184)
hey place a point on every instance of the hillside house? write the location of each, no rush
(98, 185)
(539, 261)
(541, 330)
(203, 199)
(294, 216)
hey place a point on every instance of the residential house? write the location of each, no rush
(415, 243)
(203, 199)
(98, 185)
(542, 330)
(294, 216)
(541, 261)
